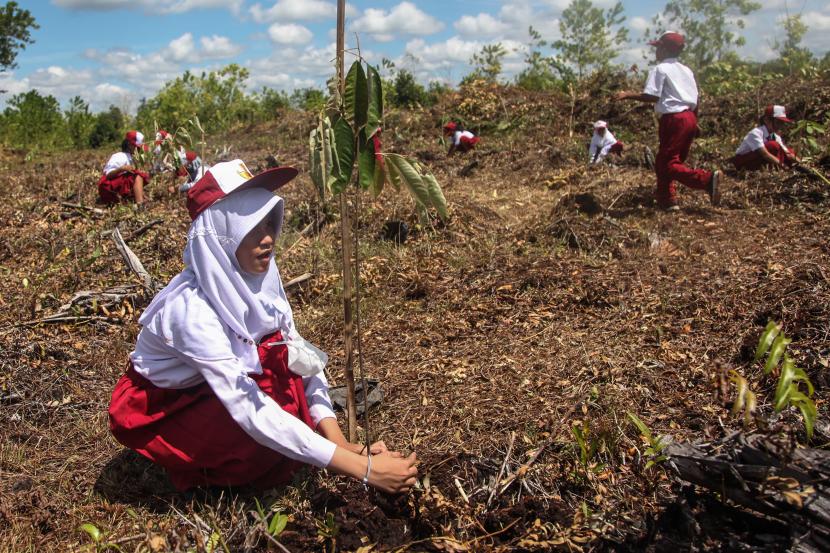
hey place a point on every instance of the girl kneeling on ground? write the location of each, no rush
(120, 178)
(221, 389)
(603, 143)
(763, 146)
(461, 140)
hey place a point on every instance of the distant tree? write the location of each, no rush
(588, 35)
(269, 101)
(79, 122)
(108, 128)
(792, 54)
(706, 25)
(435, 90)
(487, 63)
(408, 91)
(33, 122)
(308, 99)
(542, 72)
(14, 33)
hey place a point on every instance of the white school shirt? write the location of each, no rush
(601, 144)
(118, 160)
(257, 413)
(456, 137)
(755, 139)
(674, 84)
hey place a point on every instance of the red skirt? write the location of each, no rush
(466, 143)
(111, 191)
(191, 434)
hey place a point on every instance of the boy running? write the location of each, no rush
(672, 88)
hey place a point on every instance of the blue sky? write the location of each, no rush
(119, 51)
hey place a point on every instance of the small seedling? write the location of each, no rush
(98, 538)
(788, 391)
(745, 399)
(656, 445)
(587, 448)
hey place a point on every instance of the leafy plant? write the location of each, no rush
(656, 445)
(350, 134)
(788, 392)
(589, 35)
(276, 524)
(587, 447)
(808, 133)
(98, 538)
(14, 33)
(327, 531)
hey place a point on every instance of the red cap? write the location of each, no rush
(777, 112)
(229, 176)
(161, 136)
(671, 39)
(450, 127)
(190, 155)
(135, 138)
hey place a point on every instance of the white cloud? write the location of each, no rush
(403, 19)
(289, 34)
(218, 47)
(150, 7)
(297, 10)
(182, 48)
(482, 25)
(639, 24)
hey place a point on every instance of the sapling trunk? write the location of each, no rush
(345, 228)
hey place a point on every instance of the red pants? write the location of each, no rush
(111, 191)
(191, 434)
(617, 148)
(677, 132)
(754, 160)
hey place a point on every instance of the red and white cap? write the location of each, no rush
(135, 138)
(228, 177)
(161, 136)
(777, 112)
(450, 127)
(672, 39)
(600, 124)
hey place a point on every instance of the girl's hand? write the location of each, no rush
(378, 448)
(393, 474)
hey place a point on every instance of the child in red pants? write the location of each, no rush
(120, 178)
(763, 146)
(672, 88)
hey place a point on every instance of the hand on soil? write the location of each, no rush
(393, 474)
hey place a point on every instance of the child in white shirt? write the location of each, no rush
(603, 143)
(763, 146)
(221, 389)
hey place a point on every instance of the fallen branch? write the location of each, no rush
(768, 476)
(138, 232)
(61, 318)
(95, 210)
(132, 260)
(299, 280)
(501, 470)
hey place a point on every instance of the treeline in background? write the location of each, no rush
(591, 39)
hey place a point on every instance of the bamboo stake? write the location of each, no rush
(345, 233)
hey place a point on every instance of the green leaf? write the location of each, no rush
(278, 523)
(92, 530)
(379, 178)
(374, 116)
(807, 408)
(356, 95)
(784, 387)
(212, 543)
(344, 148)
(775, 352)
(769, 334)
(366, 162)
(436, 196)
(393, 177)
(411, 179)
(641, 426)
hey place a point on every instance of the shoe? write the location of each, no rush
(672, 208)
(714, 188)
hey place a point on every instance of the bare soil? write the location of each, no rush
(556, 296)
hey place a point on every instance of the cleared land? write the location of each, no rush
(556, 296)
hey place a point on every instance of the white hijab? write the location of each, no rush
(250, 305)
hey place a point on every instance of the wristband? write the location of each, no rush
(368, 472)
